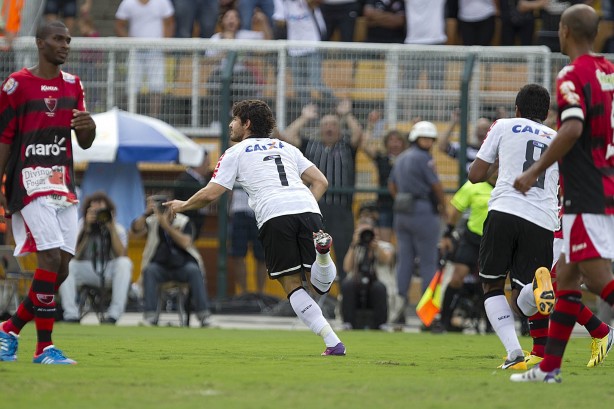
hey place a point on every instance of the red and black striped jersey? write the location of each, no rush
(35, 117)
(585, 91)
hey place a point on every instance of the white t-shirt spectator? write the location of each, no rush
(302, 23)
(475, 10)
(425, 22)
(145, 20)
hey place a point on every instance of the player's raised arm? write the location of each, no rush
(199, 199)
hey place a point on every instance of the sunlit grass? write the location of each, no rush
(135, 367)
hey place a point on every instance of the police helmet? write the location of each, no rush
(423, 129)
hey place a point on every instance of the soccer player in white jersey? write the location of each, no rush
(518, 230)
(283, 189)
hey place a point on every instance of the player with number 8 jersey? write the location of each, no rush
(518, 231)
(517, 143)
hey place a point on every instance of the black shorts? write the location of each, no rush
(515, 245)
(288, 243)
(468, 249)
(244, 230)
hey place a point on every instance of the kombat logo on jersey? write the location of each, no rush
(51, 104)
(268, 146)
(46, 149)
(10, 86)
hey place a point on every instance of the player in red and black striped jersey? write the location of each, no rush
(38, 108)
(584, 147)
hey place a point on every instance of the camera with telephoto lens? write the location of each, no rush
(159, 201)
(103, 216)
(366, 237)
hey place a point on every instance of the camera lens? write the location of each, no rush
(367, 236)
(103, 216)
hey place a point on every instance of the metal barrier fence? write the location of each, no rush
(183, 77)
(178, 80)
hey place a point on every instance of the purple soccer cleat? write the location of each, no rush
(338, 350)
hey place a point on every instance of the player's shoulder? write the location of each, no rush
(584, 65)
(499, 127)
(13, 81)
(235, 149)
(21, 74)
(10, 85)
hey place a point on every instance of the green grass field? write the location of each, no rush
(135, 367)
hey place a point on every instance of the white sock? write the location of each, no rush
(501, 318)
(323, 275)
(310, 314)
(526, 301)
(324, 259)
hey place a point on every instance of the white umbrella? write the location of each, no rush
(129, 138)
(122, 140)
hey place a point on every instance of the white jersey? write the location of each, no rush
(302, 22)
(146, 20)
(269, 170)
(518, 143)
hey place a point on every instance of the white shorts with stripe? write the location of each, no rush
(588, 236)
(43, 225)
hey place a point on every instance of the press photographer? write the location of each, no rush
(100, 259)
(365, 302)
(169, 255)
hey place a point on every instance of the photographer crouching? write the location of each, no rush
(100, 259)
(365, 303)
(169, 255)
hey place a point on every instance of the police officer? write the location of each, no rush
(419, 203)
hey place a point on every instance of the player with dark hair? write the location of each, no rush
(274, 174)
(584, 148)
(518, 230)
(38, 108)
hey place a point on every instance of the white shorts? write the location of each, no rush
(43, 225)
(149, 64)
(588, 236)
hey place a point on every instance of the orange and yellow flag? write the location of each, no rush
(430, 303)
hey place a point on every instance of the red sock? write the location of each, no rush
(562, 321)
(594, 326)
(538, 330)
(608, 293)
(42, 296)
(23, 315)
